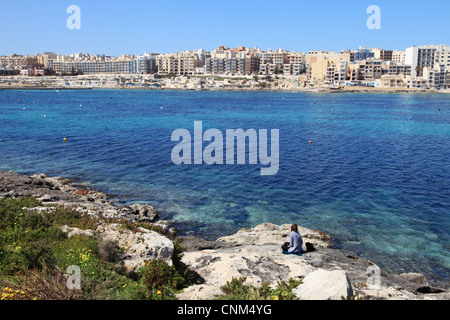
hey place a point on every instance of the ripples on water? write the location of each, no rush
(376, 176)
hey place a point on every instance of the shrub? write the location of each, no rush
(47, 284)
(72, 218)
(237, 290)
(160, 279)
(35, 252)
(78, 251)
(107, 250)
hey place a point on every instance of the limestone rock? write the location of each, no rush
(77, 232)
(140, 246)
(268, 233)
(192, 243)
(258, 264)
(145, 212)
(200, 292)
(385, 293)
(39, 209)
(412, 278)
(325, 285)
(167, 227)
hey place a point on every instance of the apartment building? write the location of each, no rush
(295, 64)
(293, 69)
(398, 56)
(423, 57)
(98, 65)
(354, 72)
(321, 65)
(382, 54)
(394, 69)
(436, 77)
(267, 68)
(278, 57)
(442, 57)
(341, 73)
(336, 72)
(400, 81)
(363, 54)
(371, 69)
(352, 54)
(232, 61)
(13, 61)
(244, 65)
(182, 63)
(146, 64)
(167, 64)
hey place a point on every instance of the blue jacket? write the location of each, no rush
(295, 242)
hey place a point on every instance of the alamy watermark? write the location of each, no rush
(374, 20)
(213, 153)
(73, 278)
(373, 277)
(74, 20)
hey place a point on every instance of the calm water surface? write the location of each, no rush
(376, 175)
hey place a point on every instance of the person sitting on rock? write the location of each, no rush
(295, 243)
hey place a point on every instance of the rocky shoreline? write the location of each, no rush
(253, 253)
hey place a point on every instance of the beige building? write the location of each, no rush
(366, 70)
(383, 55)
(232, 61)
(398, 56)
(392, 68)
(321, 65)
(278, 57)
(442, 57)
(13, 61)
(178, 63)
(400, 81)
(295, 64)
(436, 76)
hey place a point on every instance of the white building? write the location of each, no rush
(420, 57)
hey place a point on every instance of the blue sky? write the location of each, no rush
(135, 26)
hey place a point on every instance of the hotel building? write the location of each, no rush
(423, 57)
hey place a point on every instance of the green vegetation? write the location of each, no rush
(35, 254)
(237, 290)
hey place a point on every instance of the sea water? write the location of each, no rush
(373, 170)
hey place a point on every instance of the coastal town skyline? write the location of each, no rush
(415, 67)
(208, 50)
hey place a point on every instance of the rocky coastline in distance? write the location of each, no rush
(253, 253)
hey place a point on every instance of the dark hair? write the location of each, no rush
(294, 228)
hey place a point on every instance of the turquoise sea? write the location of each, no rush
(376, 174)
